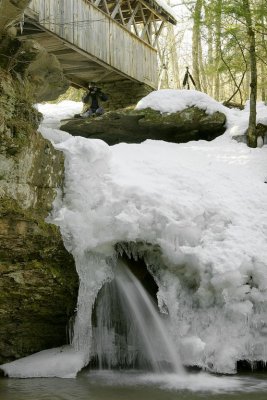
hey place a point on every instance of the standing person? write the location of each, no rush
(93, 97)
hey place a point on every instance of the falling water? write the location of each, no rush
(129, 331)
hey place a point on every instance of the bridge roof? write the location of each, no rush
(160, 8)
(163, 8)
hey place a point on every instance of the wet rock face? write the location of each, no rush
(136, 126)
(38, 280)
(30, 168)
(37, 287)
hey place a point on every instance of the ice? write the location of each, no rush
(196, 212)
(62, 362)
(93, 270)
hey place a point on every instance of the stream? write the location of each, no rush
(108, 385)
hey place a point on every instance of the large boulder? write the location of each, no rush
(135, 126)
(37, 72)
(44, 72)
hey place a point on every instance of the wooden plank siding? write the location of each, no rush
(83, 25)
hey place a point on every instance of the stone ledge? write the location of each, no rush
(130, 126)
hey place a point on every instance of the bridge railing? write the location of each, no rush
(85, 26)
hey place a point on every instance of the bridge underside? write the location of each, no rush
(78, 66)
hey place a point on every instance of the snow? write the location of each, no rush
(166, 7)
(54, 113)
(203, 204)
(170, 101)
(59, 362)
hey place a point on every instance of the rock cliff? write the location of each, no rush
(38, 281)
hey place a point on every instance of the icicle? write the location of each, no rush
(21, 23)
(94, 270)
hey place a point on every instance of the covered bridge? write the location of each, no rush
(111, 42)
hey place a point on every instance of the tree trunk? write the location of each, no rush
(263, 45)
(204, 82)
(251, 133)
(263, 82)
(218, 32)
(174, 75)
(174, 80)
(210, 65)
(162, 62)
(195, 43)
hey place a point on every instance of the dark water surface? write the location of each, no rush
(106, 385)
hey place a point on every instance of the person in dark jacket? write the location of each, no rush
(93, 98)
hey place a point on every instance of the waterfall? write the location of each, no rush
(129, 331)
(188, 211)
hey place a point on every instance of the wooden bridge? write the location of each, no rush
(100, 40)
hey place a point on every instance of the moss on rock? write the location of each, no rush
(135, 126)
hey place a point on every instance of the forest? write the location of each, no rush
(224, 45)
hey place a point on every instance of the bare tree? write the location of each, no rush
(218, 34)
(196, 37)
(251, 133)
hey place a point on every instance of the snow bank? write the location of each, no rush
(203, 204)
(61, 362)
(170, 101)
